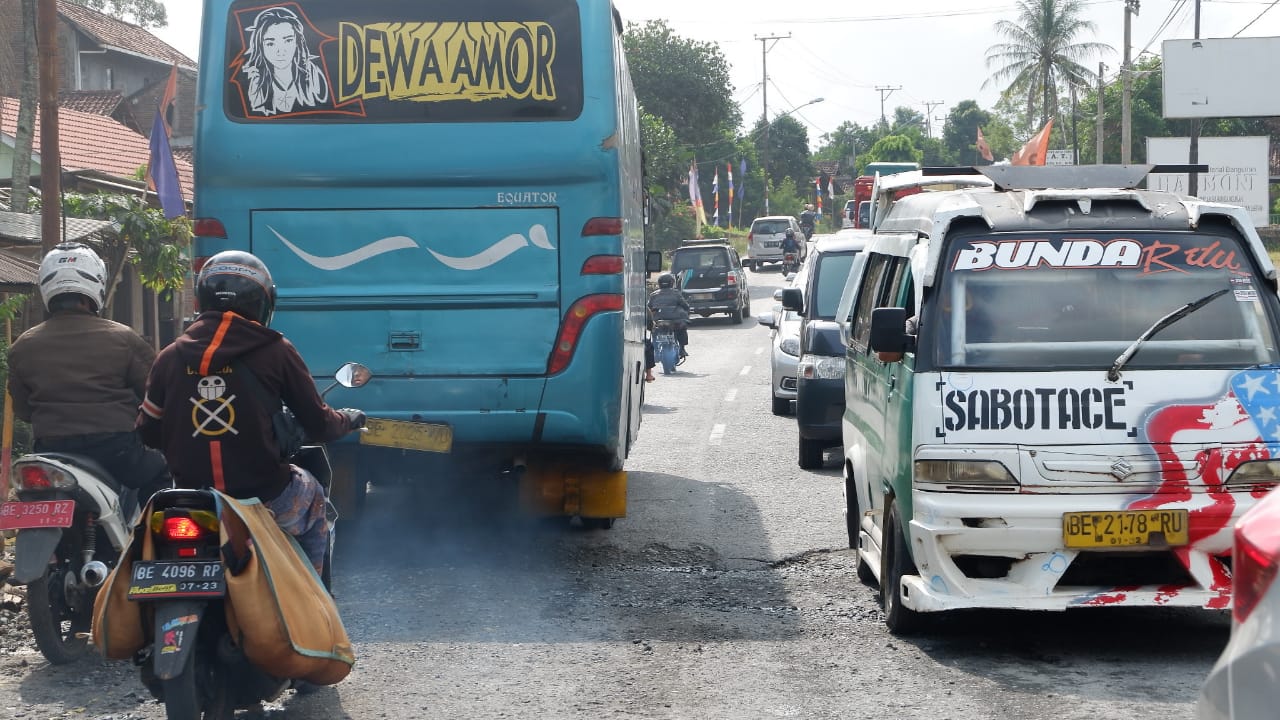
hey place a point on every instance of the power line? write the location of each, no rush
(885, 91)
(1264, 12)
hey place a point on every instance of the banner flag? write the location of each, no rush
(728, 168)
(715, 197)
(983, 148)
(162, 170)
(1034, 152)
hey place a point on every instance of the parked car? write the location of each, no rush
(785, 351)
(764, 241)
(1028, 446)
(1242, 684)
(710, 274)
(820, 371)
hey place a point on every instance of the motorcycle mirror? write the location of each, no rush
(353, 375)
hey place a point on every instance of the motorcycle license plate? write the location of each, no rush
(37, 514)
(427, 437)
(665, 337)
(177, 579)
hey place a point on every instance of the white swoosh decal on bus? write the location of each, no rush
(498, 251)
(486, 258)
(346, 260)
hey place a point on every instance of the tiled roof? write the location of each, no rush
(112, 33)
(17, 272)
(24, 229)
(98, 102)
(95, 142)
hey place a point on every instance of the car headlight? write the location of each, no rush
(820, 367)
(965, 474)
(1256, 472)
(790, 346)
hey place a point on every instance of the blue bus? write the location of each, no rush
(450, 193)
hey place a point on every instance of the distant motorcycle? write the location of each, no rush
(789, 263)
(666, 348)
(72, 523)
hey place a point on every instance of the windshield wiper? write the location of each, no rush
(1113, 374)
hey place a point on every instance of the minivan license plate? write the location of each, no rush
(37, 514)
(177, 579)
(1125, 528)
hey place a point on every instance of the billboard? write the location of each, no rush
(1221, 77)
(1238, 172)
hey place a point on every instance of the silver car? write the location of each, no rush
(784, 355)
(1242, 685)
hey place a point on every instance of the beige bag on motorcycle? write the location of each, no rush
(122, 627)
(277, 608)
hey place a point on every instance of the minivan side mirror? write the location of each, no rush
(889, 331)
(653, 261)
(793, 299)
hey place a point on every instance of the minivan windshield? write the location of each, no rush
(769, 227)
(1079, 300)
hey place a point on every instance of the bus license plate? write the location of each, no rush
(37, 514)
(177, 579)
(1125, 528)
(427, 437)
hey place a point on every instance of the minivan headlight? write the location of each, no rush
(961, 474)
(790, 346)
(820, 367)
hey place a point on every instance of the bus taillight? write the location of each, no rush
(571, 328)
(602, 265)
(209, 228)
(602, 226)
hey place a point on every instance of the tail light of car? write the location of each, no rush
(731, 279)
(1255, 557)
(751, 237)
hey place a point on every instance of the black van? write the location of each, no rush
(820, 372)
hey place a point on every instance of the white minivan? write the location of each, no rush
(764, 241)
(1061, 392)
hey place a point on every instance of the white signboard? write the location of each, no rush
(1059, 157)
(1221, 77)
(1238, 172)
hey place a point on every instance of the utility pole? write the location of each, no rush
(1102, 68)
(50, 160)
(1193, 154)
(1126, 76)
(885, 91)
(928, 116)
(764, 153)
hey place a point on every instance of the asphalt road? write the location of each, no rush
(727, 592)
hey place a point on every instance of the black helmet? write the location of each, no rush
(666, 280)
(237, 281)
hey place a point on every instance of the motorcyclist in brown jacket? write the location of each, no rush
(202, 410)
(78, 378)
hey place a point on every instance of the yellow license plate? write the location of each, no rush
(1125, 528)
(428, 437)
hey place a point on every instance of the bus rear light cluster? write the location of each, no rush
(574, 321)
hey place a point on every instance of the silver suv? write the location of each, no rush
(764, 244)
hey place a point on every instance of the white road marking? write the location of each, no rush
(746, 370)
(759, 350)
(731, 395)
(717, 435)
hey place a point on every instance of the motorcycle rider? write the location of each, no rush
(791, 245)
(808, 220)
(669, 303)
(202, 410)
(78, 378)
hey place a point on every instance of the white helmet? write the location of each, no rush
(73, 268)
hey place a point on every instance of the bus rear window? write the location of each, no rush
(386, 61)
(1055, 301)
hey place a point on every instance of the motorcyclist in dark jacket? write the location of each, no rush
(789, 242)
(78, 378)
(669, 303)
(808, 220)
(204, 413)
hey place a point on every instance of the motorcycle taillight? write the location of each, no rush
(184, 526)
(42, 476)
(179, 529)
(35, 478)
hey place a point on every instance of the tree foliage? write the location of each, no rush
(665, 160)
(140, 235)
(1041, 54)
(788, 153)
(144, 13)
(894, 148)
(684, 82)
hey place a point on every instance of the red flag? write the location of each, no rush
(983, 148)
(1033, 153)
(166, 100)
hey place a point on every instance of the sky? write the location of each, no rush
(931, 51)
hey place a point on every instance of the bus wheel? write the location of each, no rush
(896, 563)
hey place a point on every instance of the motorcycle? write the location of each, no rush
(808, 232)
(666, 348)
(789, 263)
(73, 522)
(195, 666)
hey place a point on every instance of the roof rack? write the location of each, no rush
(1043, 177)
(706, 241)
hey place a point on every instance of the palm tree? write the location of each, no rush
(1040, 54)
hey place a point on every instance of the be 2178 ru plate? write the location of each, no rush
(1125, 528)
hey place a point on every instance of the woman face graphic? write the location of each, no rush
(279, 45)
